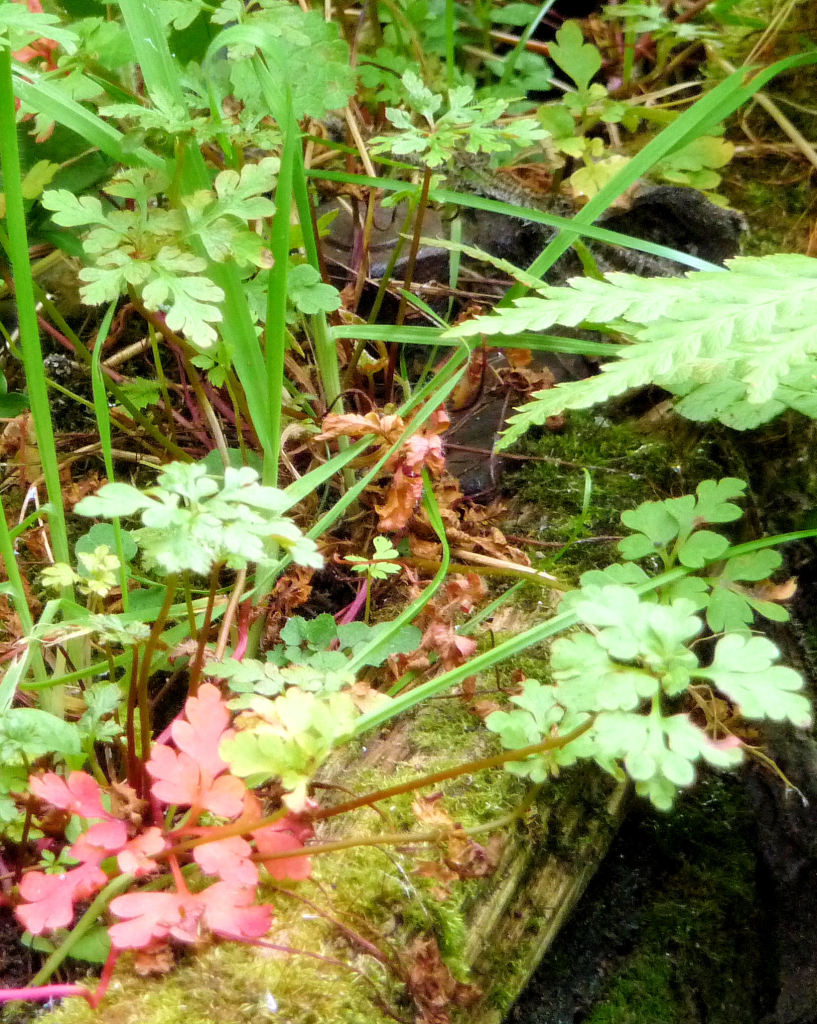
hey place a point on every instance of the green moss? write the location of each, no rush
(231, 983)
(698, 954)
(625, 467)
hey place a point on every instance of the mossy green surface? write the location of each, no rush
(672, 928)
(701, 953)
(605, 462)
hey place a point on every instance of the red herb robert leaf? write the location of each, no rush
(194, 775)
(229, 859)
(50, 898)
(205, 724)
(179, 780)
(80, 794)
(134, 856)
(153, 917)
(290, 833)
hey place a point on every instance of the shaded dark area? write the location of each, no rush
(17, 965)
(779, 467)
(674, 928)
(709, 916)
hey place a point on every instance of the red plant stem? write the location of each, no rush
(451, 773)
(244, 612)
(178, 877)
(218, 402)
(352, 936)
(243, 827)
(263, 944)
(350, 612)
(147, 657)
(46, 992)
(198, 660)
(135, 778)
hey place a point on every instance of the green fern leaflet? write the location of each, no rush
(738, 346)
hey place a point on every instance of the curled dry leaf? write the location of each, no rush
(779, 592)
(432, 985)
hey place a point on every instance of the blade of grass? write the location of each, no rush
(511, 59)
(49, 97)
(275, 332)
(429, 397)
(162, 78)
(706, 112)
(475, 202)
(26, 311)
(103, 420)
(433, 336)
(537, 634)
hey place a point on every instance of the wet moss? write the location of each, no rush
(700, 954)
(578, 482)
(671, 929)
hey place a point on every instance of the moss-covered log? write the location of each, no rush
(343, 941)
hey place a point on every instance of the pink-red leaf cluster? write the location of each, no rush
(194, 775)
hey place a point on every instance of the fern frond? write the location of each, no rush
(739, 345)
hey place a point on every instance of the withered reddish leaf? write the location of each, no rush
(439, 421)
(432, 986)
(404, 493)
(387, 426)
(468, 388)
(784, 591)
(154, 960)
(424, 548)
(424, 450)
(467, 591)
(430, 811)
(518, 356)
(440, 873)
(453, 649)
(470, 859)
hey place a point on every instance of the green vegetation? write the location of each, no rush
(168, 718)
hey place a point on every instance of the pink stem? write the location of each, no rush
(244, 610)
(46, 992)
(350, 612)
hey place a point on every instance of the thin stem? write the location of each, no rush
(26, 311)
(240, 828)
(229, 614)
(147, 657)
(198, 661)
(553, 743)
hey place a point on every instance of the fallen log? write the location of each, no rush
(386, 929)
